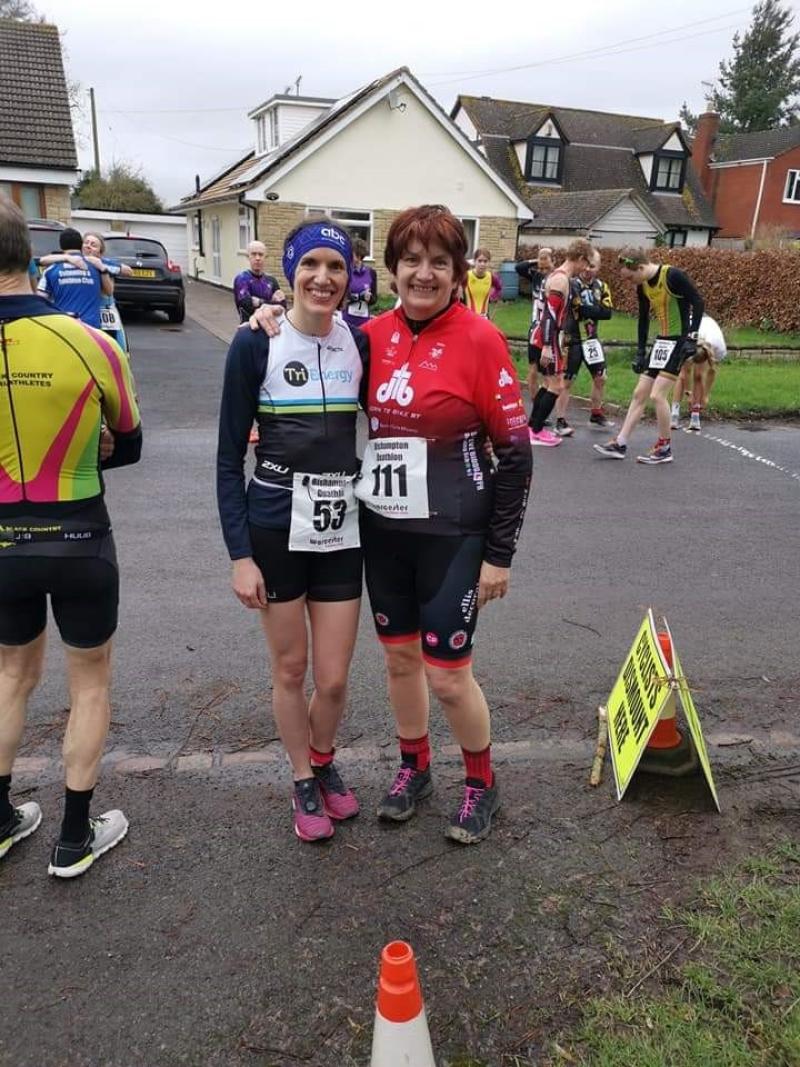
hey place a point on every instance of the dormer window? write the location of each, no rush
(267, 131)
(669, 172)
(544, 160)
(544, 154)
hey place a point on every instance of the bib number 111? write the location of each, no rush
(389, 480)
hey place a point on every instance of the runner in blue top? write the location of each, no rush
(77, 290)
(93, 252)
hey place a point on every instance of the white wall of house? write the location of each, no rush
(646, 163)
(521, 149)
(624, 224)
(389, 159)
(674, 144)
(547, 129)
(697, 239)
(170, 230)
(463, 121)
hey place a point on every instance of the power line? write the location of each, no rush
(173, 110)
(617, 48)
(178, 140)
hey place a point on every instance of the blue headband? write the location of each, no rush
(315, 235)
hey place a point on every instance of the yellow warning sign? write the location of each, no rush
(639, 694)
(692, 718)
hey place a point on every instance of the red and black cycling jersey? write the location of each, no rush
(452, 383)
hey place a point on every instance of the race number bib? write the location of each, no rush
(661, 352)
(324, 513)
(593, 352)
(110, 319)
(359, 309)
(394, 477)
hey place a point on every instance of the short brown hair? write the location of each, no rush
(360, 247)
(15, 241)
(580, 248)
(632, 258)
(482, 252)
(427, 224)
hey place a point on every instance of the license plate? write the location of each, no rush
(139, 273)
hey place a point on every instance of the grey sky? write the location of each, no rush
(174, 84)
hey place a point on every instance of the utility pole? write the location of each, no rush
(94, 134)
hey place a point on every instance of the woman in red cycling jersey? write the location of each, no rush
(441, 520)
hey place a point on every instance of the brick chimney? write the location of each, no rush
(703, 147)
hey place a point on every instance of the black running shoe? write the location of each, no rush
(473, 820)
(409, 786)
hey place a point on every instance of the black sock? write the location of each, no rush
(537, 398)
(6, 807)
(75, 826)
(543, 409)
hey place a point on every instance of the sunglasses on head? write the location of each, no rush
(626, 261)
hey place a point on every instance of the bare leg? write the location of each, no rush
(562, 404)
(660, 397)
(408, 688)
(287, 639)
(464, 705)
(598, 391)
(20, 671)
(333, 638)
(641, 394)
(89, 672)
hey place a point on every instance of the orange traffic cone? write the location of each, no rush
(666, 734)
(668, 752)
(401, 1037)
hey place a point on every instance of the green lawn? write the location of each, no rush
(513, 317)
(743, 386)
(730, 997)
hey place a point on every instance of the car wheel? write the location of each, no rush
(178, 313)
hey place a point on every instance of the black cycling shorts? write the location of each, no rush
(575, 359)
(326, 576)
(676, 360)
(534, 355)
(83, 591)
(424, 587)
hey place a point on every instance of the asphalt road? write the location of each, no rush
(210, 935)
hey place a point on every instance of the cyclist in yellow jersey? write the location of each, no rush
(60, 380)
(670, 296)
(482, 286)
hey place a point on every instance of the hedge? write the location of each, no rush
(759, 289)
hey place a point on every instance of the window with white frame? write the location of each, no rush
(196, 230)
(261, 135)
(791, 194)
(273, 128)
(245, 227)
(471, 230)
(677, 238)
(357, 223)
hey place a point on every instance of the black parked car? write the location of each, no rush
(44, 234)
(157, 282)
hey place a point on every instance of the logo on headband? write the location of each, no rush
(290, 252)
(328, 231)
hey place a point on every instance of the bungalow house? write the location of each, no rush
(617, 179)
(361, 160)
(752, 179)
(38, 162)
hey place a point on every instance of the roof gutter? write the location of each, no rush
(254, 209)
(740, 163)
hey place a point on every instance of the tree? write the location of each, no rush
(19, 10)
(122, 189)
(758, 86)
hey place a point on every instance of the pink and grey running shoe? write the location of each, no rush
(339, 801)
(311, 821)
